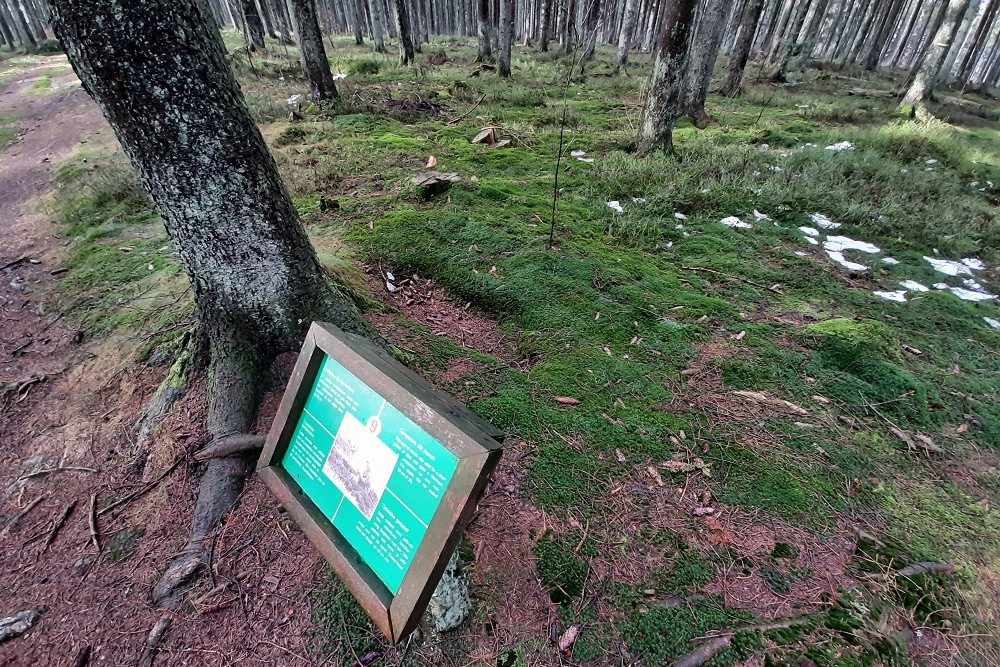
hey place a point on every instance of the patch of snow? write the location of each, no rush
(974, 264)
(588, 160)
(809, 231)
(678, 226)
(293, 100)
(841, 243)
(680, 216)
(735, 223)
(890, 260)
(801, 254)
(337, 76)
(840, 146)
(904, 171)
(838, 257)
(578, 153)
(992, 322)
(801, 106)
(970, 295)
(940, 285)
(760, 216)
(638, 200)
(949, 267)
(931, 162)
(899, 296)
(776, 169)
(914, 286)
(810, 240)
(823, 222)
(615, 206)
(973, 284)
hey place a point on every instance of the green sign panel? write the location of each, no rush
(380, 470)
(376, 475)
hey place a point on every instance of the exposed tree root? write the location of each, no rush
(715, 645)
(240, 443)
(232, 408)
(171, 389)
(154, 640)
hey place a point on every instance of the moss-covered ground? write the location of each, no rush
(656, 481)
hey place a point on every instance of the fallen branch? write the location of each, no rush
(92, 523)
(739, 279)
(456, 119)
(41, 473)
(923, 568)
(12, 524)
(154, 640)
(716, 644)
(57, 526)
(232, 444)
(135, 494)
(19, 260)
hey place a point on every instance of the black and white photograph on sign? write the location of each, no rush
(360, 465)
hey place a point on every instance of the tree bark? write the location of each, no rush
(545, 29)
(741, 48)
(630, 16)
(483, 30)
(312, 52)
(701, 60)
(882, 35)
(979, 42)
(660, 111)
(179, 115)
(923, 81)
(403, 32)
(378, 25)
(506, 41)
(254, 26)
(28, 40)
(5, 29)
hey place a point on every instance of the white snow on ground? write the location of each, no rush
(810, 240)
(840, 146)
(293, 100)
(838, 257)
(899, 296)
(337, 76)
(823, 222)
(578, 153)
(841, 243)
(735, 223)
(801, 254)
(992, 322)
(760, 216)
(965, 294)
(974, 264)
(615, 206)
(588, 160)
(950, 267)
(890, 260)
(680, 216)
(914, 286)
(809, 231)
(638, 200)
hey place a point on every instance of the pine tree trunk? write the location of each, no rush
(923, 81)
(660, 111)
(567, 32)
(28, 40)
(312, 51)
(544, 30)
(883, 33)
(483, 30)
(265, 15)
(812, 33)
(741, 48)
(254, 26)
(590, 24)
(979, 41)
(378, 25)
(179, 115)
(630, 17)
(403, 32)
(506, 35)
(701, 60)
(5, 29)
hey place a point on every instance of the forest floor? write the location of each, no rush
(754, 433)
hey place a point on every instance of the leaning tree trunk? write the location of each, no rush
(923, 81)
(506, 41)
(630, 16)
(312, 52)
(253, 23)
(21, 25)
(403, 33)
(660, 111)
(5, 30)
(483, 30)
(159, 72)
(701, 60)
(741, 48)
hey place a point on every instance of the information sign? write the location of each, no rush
(380, 470)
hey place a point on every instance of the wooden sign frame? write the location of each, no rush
(474, 442)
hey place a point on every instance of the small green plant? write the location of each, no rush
(364, 67)
(560, 569)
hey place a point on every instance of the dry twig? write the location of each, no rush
(92, 523)
(12, 524)
(135, 494)
(57, 526)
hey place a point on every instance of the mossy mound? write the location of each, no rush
(848, 344)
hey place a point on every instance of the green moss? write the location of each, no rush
(560, 569)
(341, 630)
